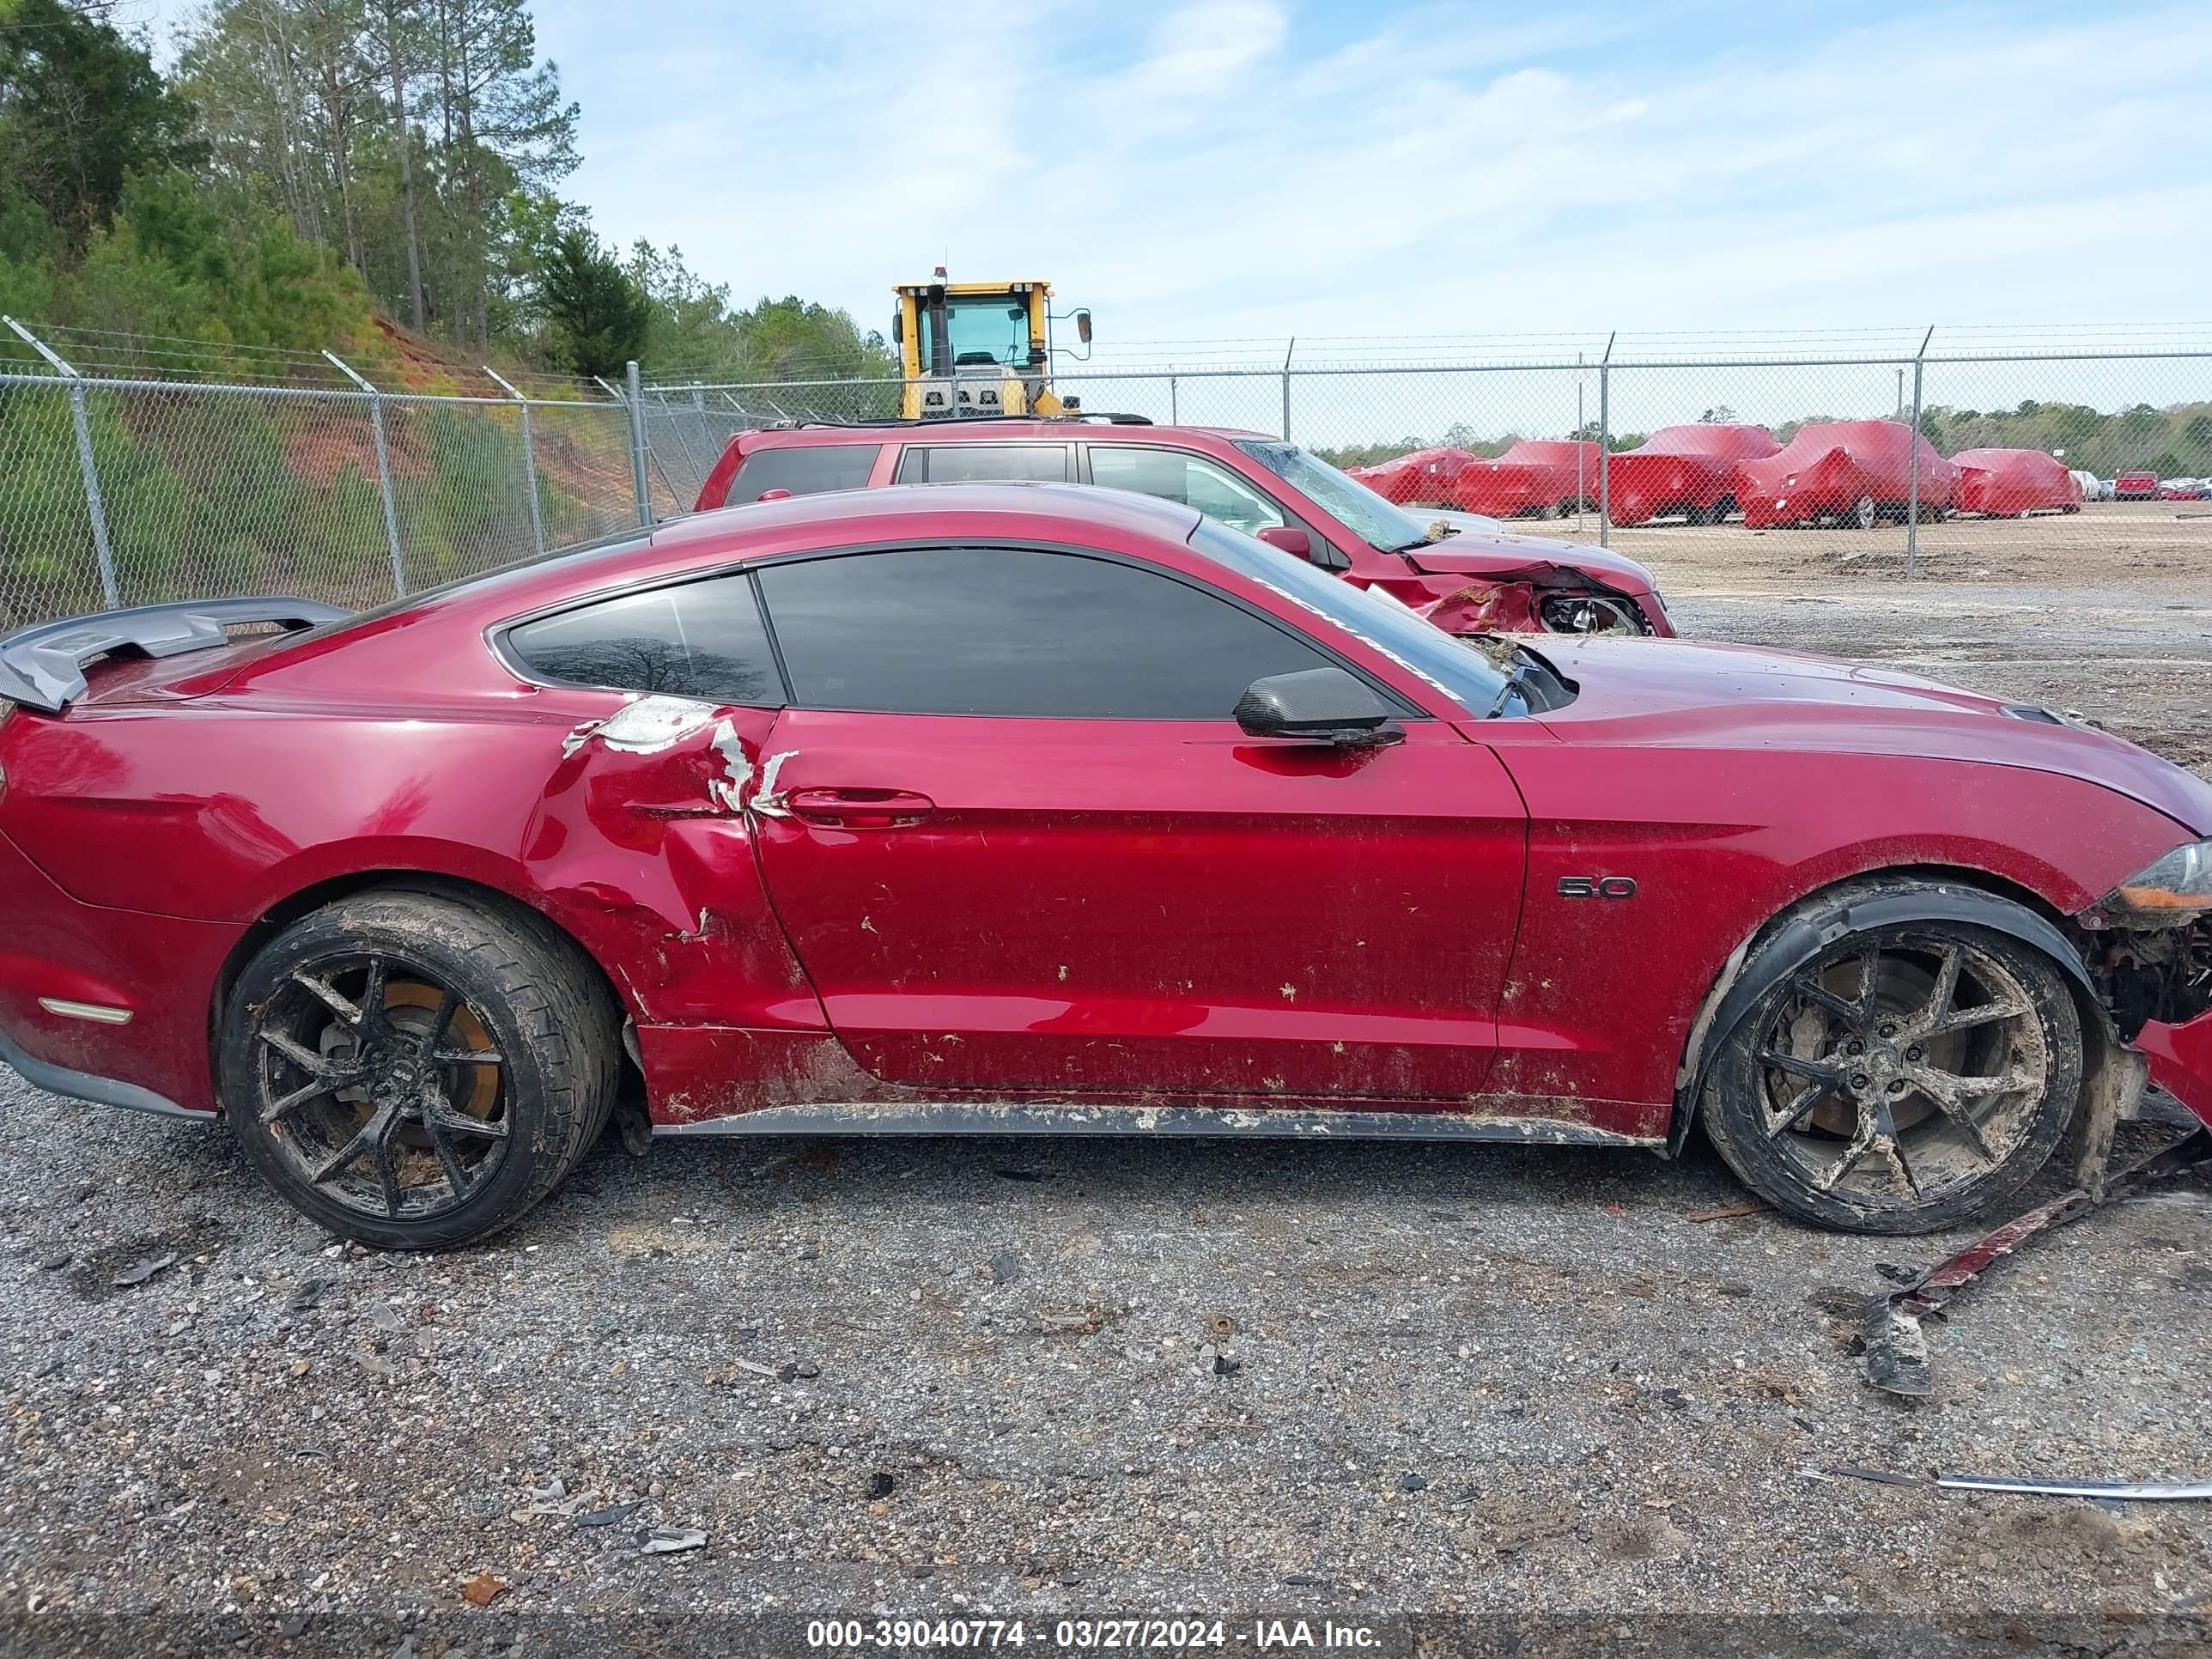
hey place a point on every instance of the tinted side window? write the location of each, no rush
(808, 470)
(1175, 475)
(702, 639)
(959, 630)
(981, 463)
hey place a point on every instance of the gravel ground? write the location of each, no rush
(943, 1376)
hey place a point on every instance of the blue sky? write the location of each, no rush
(1230, 168)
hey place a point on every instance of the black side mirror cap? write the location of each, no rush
(1317, 705)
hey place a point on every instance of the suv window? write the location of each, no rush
(702, 639)
(803, 470)
(971, 630)
(1177, 475)
(984, 463)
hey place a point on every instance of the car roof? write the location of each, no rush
(991, 431)
(1037, 512)
(867, 513)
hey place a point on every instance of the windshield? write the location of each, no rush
(1353, 504)
(1454, 667)
(992, 330)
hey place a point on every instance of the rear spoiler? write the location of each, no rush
(43, 667)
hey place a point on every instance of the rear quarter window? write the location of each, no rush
(703, 639)
(803, 470)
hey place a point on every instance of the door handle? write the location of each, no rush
(860, 809)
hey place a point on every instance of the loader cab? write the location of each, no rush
(976, 349)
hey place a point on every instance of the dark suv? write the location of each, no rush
(1477, 580)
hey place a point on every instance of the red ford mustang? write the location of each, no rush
(996, 807)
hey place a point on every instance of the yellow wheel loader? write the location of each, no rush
(976, 349)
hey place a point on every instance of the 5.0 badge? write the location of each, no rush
(1611, 887)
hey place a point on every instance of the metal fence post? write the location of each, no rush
(1172, 420)
(1582, 423)
(86, 466)
(529, 462)
(383, 473)
(1605, 444)
(1293, 347)
(1912, 498)
(639, 480)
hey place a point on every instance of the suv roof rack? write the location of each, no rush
(1073, 417)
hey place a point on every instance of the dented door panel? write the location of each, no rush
(1151, 906)
(643, 820)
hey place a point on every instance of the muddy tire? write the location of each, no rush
(1907, 1079)
(415, 1070)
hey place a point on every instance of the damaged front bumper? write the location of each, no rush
(2148, 953)
(2180, 1058)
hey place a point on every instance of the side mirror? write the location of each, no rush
(1319, 705)
(1289, 539)
(899, 326)
(1083, 326)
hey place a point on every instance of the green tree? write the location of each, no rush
(507, 129)
(81, 109)
(598, 313)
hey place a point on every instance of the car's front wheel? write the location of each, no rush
(1907, 1079)
(414, 1071)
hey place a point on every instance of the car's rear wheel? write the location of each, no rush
(1864, 513)
(1907, 1079)
(416, 1072)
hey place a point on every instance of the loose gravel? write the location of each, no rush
(886, 1378)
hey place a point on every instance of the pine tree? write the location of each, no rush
(597, 312)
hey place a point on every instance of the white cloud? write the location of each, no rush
(1227, 169)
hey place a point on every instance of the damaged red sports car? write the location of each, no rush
(1467, 578)
(1031, 807)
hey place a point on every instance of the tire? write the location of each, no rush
(1805, 1135)
(1864, 513)
(441, 1110)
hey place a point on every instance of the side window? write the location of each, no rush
(984, 463)
(803, 470)
(964, 630)
(1177, 475)
(702, 639)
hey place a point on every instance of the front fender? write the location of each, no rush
(1782, 946)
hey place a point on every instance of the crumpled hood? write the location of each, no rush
(1469, 553)
(1712, 695)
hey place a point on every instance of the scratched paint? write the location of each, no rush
(648, 727)
(766, 801)
(728, 791)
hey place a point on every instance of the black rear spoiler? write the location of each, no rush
(43, 667)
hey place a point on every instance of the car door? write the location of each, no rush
(1019, 843)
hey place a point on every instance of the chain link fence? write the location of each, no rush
(1673, 449)
(134, 491)
(122, 492)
